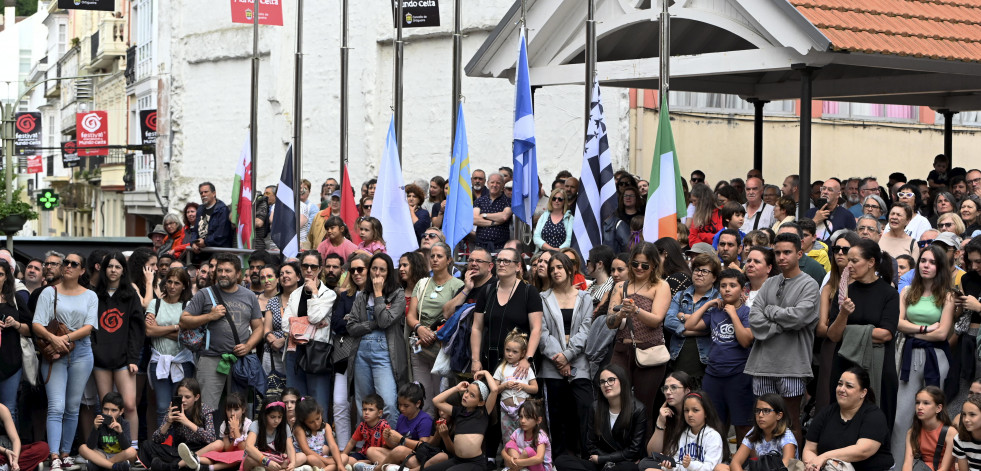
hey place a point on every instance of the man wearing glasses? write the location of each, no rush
(783, 318)
(973, 181)
(868, 186)
(477, 277)
(53, 264)
(831, 216)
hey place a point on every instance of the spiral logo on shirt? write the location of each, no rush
(111, 320)
(91, 122)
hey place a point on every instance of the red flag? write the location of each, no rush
(349, 209)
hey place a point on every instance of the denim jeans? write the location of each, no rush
(8, 392)
(65, 388)
(295, 377)
(320, 388)
(165, 388)
(373, 374)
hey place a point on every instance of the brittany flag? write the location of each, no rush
(666, 200)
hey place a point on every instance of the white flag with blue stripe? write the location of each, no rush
(524, 196)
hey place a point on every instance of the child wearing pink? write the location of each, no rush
(520, 443)
(372, 247)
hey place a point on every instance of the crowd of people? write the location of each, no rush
(755, 340)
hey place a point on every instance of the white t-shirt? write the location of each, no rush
(505, 372)
(774, 446)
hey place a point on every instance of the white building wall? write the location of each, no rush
(209, 91)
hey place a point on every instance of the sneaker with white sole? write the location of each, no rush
(56, 464)
(348, 467)
(359, 466)
(190, 458)
(68, 463)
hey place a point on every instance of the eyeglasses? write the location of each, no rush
(52, 264)
(503, 262)
(762, 410)
(839, 250)
(357, 270)
(477, 260)
(905, 194)
(701, 271)
(944, 225)
(924, 243)
(310, 266)
(871, 206)
(72, 264)
(558, 199)
(608, 381)
(866, 229)
(974, 181)
(641, 265)
(670, 387)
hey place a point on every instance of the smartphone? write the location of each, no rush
(820, 203)
(177, 401)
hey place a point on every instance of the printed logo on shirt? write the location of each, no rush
(694, 450)
(111, 320)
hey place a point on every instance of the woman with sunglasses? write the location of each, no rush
(273, 297)
(836, 279)
(970, 211)
(78, 310)
(917, 224)
(567, 315)
(425, 315)
(118, 343)
(377, 319)
(554, 229)
(896, 240)
(347, 292)
(644, 300)
(950, 222)
(315, 301)
(690, 349)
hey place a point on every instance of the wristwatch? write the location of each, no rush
(531, 360)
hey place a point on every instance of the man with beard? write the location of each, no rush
(477, 277)
(34, 274)
(222, 308)
(257, 261)
(852, 196)
(477, 181)
(53, 264)
(202, 279)
(729, 241)
(333, 268)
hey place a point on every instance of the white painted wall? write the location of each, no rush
(209, 94)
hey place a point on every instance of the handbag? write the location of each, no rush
(767, 462)
(646, 357)
(837, 465)
(919, 465)
(314, 357)
(57, 329)
(426, 353)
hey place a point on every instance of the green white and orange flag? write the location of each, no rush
(666, 200)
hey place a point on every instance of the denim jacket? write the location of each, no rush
(684, 302)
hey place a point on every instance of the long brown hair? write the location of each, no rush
(938, 397)
(348, 286)
(962, 432)
(942, 283)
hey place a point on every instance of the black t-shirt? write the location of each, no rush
(500, 320)
(10, 352)
(470, 422)
(830, 432)
(971, 283)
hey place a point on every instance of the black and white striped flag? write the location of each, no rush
(283, 230)
(597, 190)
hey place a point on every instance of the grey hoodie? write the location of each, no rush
(783, 328)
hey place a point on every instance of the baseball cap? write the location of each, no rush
(701, 247)
(336, 194)
(950, 239)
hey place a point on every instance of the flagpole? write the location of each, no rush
(399, 18)
(254, 108)
(665, 54)
(457, 60)
(298, 113)
(590, 61)
(344, 73)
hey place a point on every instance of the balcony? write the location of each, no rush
(39, 71)
(140, 196)
(108, 43)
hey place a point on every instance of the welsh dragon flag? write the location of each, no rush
(241, 210)
(667, 199)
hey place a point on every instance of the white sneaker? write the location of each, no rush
(305, 467)
(56, 464)
(348, 467)
(190, 458)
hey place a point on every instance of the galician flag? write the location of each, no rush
(666, 200)
(241, 210)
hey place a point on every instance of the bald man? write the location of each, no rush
(831, 216)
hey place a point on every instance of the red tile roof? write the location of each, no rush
(936, 29)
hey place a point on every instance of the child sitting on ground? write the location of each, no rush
(108, 446)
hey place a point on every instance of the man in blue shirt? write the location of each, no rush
(832, 216)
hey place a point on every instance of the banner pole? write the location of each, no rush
(457, 72)
(665, 55)
(254, 109)
(298, 117)
(590, 61)
(399, 64)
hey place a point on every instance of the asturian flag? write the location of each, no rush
(241, 210)
(666, 200)
(458, 221)
(390, 205)
(597, 189)
(283, 230)
(524, 196)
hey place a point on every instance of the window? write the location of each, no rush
(870, 111)
(963, 118)
(62, 38)
(724, 103)
(143, 13)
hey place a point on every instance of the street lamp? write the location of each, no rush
(9, 136)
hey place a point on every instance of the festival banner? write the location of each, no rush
(28, 133)
(92, 130)
(148, 127)
(270, 12)
(101, 5)
(418, 13)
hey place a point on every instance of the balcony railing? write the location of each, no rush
(143, 170)
(130, 72)
(109, 42)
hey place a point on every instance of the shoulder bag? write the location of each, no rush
(646, 357)
(56, 328)
(427, 353)
(938, 453)
(312, 356)
(28, 353)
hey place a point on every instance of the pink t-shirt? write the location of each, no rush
(372, 247)
(344, 250)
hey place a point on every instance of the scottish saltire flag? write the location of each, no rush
(390, 205)
(241, 210)
(597, 189)
(458, 220)
(524, 196)
(666, 201)
(283, 229)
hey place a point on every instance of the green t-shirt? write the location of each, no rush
(170, 314)
(433, 297)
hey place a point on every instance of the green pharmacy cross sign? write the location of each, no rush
(47, 200)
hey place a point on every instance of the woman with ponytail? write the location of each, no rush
(870, 301)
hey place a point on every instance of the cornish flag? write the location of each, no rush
(597, 192)
(283, 228)
(666, 200)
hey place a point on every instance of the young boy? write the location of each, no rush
(727, 321)
(108, 446)
(371, 429)
(733, 215)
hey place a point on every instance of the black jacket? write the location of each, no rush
(119, 339)
(624, 443)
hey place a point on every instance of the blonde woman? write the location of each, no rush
(554, 232)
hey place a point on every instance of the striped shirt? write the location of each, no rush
(968, 450)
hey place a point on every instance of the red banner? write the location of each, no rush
(34, 164)
(270, 12)
(92, 129)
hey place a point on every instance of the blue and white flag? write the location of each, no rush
(597, 189)
(390, 205)
(524, 195)
(458, 220)
(283, 229)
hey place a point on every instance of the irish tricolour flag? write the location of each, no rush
(666, 199)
